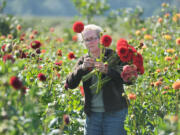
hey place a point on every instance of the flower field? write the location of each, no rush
(34, 64)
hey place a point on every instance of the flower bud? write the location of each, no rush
(66, 119)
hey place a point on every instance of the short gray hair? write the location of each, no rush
(88, 27)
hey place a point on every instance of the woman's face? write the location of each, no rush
(91, 40)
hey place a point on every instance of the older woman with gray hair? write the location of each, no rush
(107, 110)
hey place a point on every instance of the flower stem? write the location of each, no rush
(103, 81)
(89, 75)
(177, 111)
(99, 74)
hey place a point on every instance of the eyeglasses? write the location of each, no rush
(91, 39)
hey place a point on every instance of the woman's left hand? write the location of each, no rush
(101, 67)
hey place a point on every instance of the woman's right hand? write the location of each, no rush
(88, 63)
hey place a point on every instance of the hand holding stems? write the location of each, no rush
(90, 63)
(100, 66)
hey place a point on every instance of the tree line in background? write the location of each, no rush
(67, 8)
(113, 10)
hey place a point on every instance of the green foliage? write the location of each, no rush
(7, 22)
(8, 25)
(2, 5)
(91, 8)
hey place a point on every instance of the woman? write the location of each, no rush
(107, 110)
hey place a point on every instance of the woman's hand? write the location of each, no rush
(101, 67)
(88, 63)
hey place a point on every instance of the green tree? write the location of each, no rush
(2, 5)
(91, 8)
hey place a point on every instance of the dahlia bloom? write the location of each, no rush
(138, 61)
(106, 40)
(131, 96)
(148, 37)
(124, 50)
(176, 85)
(8, 57)
(78, 27)
(18, 27)
(15, 83)
(35, 44)
(71, 56)
(41, 77)
(167, 58)
(58, 63)
(129, 73)
(167, 37)
(3, 48)
(121, 42)
(178, 41)
(158, 83)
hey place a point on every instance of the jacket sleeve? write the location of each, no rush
(74, 78)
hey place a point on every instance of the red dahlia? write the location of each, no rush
(38, 51)
(3, 47)
(141, 70)
(22, 54)
(122, 42)
(122, 51)
(35, 44)
(41, 77)
(71, 55)
(8, 57)
(78, 27)
(106, 40)
(125, 58)
(15, 82)
(131, 52)
(138, 60)
(58, 63)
